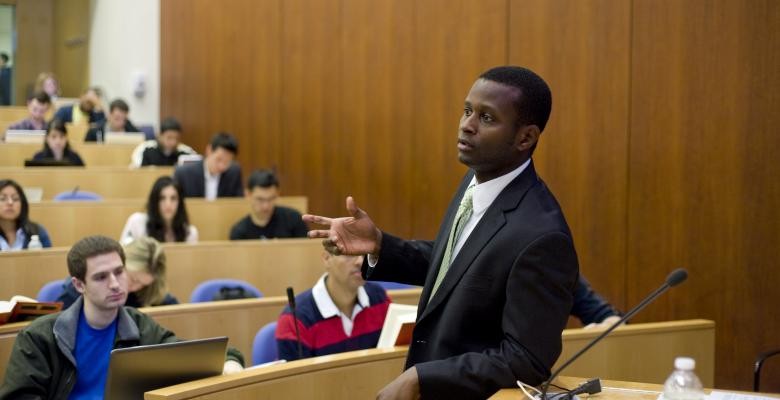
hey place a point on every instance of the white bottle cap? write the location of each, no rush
(684, 363)
(35, 237)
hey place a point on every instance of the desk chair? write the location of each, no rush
(264, 346)
(77, 195)
(207, 290)
(760, 363)
(50, 291)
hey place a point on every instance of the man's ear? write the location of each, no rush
(526, 137)
(78, 284)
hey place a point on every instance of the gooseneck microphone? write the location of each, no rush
(291, 302)
(675, 278)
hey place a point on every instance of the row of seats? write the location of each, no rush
(204, 292)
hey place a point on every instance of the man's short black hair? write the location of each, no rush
(535, 100)
(4, 56)
(264, 178)
(170, 124)
(120, 104)
(226, 141)
(42, 97)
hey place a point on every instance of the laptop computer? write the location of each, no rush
(124, 137)
(24, 136)
(135, 370)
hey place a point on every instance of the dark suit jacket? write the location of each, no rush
(499, 312)
(193, 182)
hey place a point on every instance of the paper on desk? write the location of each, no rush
(719, 395)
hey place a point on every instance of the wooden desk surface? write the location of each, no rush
(353, 375)
(257, 261)
(619, 356)
(68, 222)
(109, 182)
(93, 154)
(611, 389)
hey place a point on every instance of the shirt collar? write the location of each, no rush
(325, 304)
(206, 172)
(485, 193)
(21, 237)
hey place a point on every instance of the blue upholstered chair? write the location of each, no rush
(264, 347)
(208, 289)
(77, 195)
(51, 291)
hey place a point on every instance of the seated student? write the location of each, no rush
(56, 146)
(165, 218)
(16, 229)
(37, 105)
(165, 150)
(267, 220)
(89, 109)
(117, 122)
(47, 83)
(590, 308)
(216, 175)
(342, 312)
(65, 355)
(145, 274)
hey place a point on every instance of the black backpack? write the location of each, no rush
(232, 293)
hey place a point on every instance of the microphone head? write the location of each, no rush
(291, 296)
(677, 277)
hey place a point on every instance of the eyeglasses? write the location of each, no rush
(10, 199)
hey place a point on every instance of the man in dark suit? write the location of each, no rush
(216, 175)
(499, 278)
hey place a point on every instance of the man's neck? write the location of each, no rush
(97, 318)
(344, 298)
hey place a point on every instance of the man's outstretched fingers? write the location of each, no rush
(317, 219)
(318, 234)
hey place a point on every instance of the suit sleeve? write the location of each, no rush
(538, 299)
(403, 261)
(588, 306)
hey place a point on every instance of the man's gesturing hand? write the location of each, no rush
(353, 235)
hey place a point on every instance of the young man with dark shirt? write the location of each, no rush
(66, 355)
(267, 220)
(163, 151)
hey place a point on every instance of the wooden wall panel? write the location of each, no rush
(34, 51)
(220, 71)
(456, 41)
(582, 153)
(703, 186)
(310, 100)
(378, 111)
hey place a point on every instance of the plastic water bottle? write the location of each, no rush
(683, 384)
(35, 243)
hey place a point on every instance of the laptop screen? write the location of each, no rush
(135, 370)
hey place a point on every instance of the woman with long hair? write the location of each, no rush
(56, 146)
(16, 229)
(165, 218)
(145, 265)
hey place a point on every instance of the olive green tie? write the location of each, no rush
(461, 217)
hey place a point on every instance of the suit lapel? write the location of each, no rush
(490, 224)
(200, 184)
